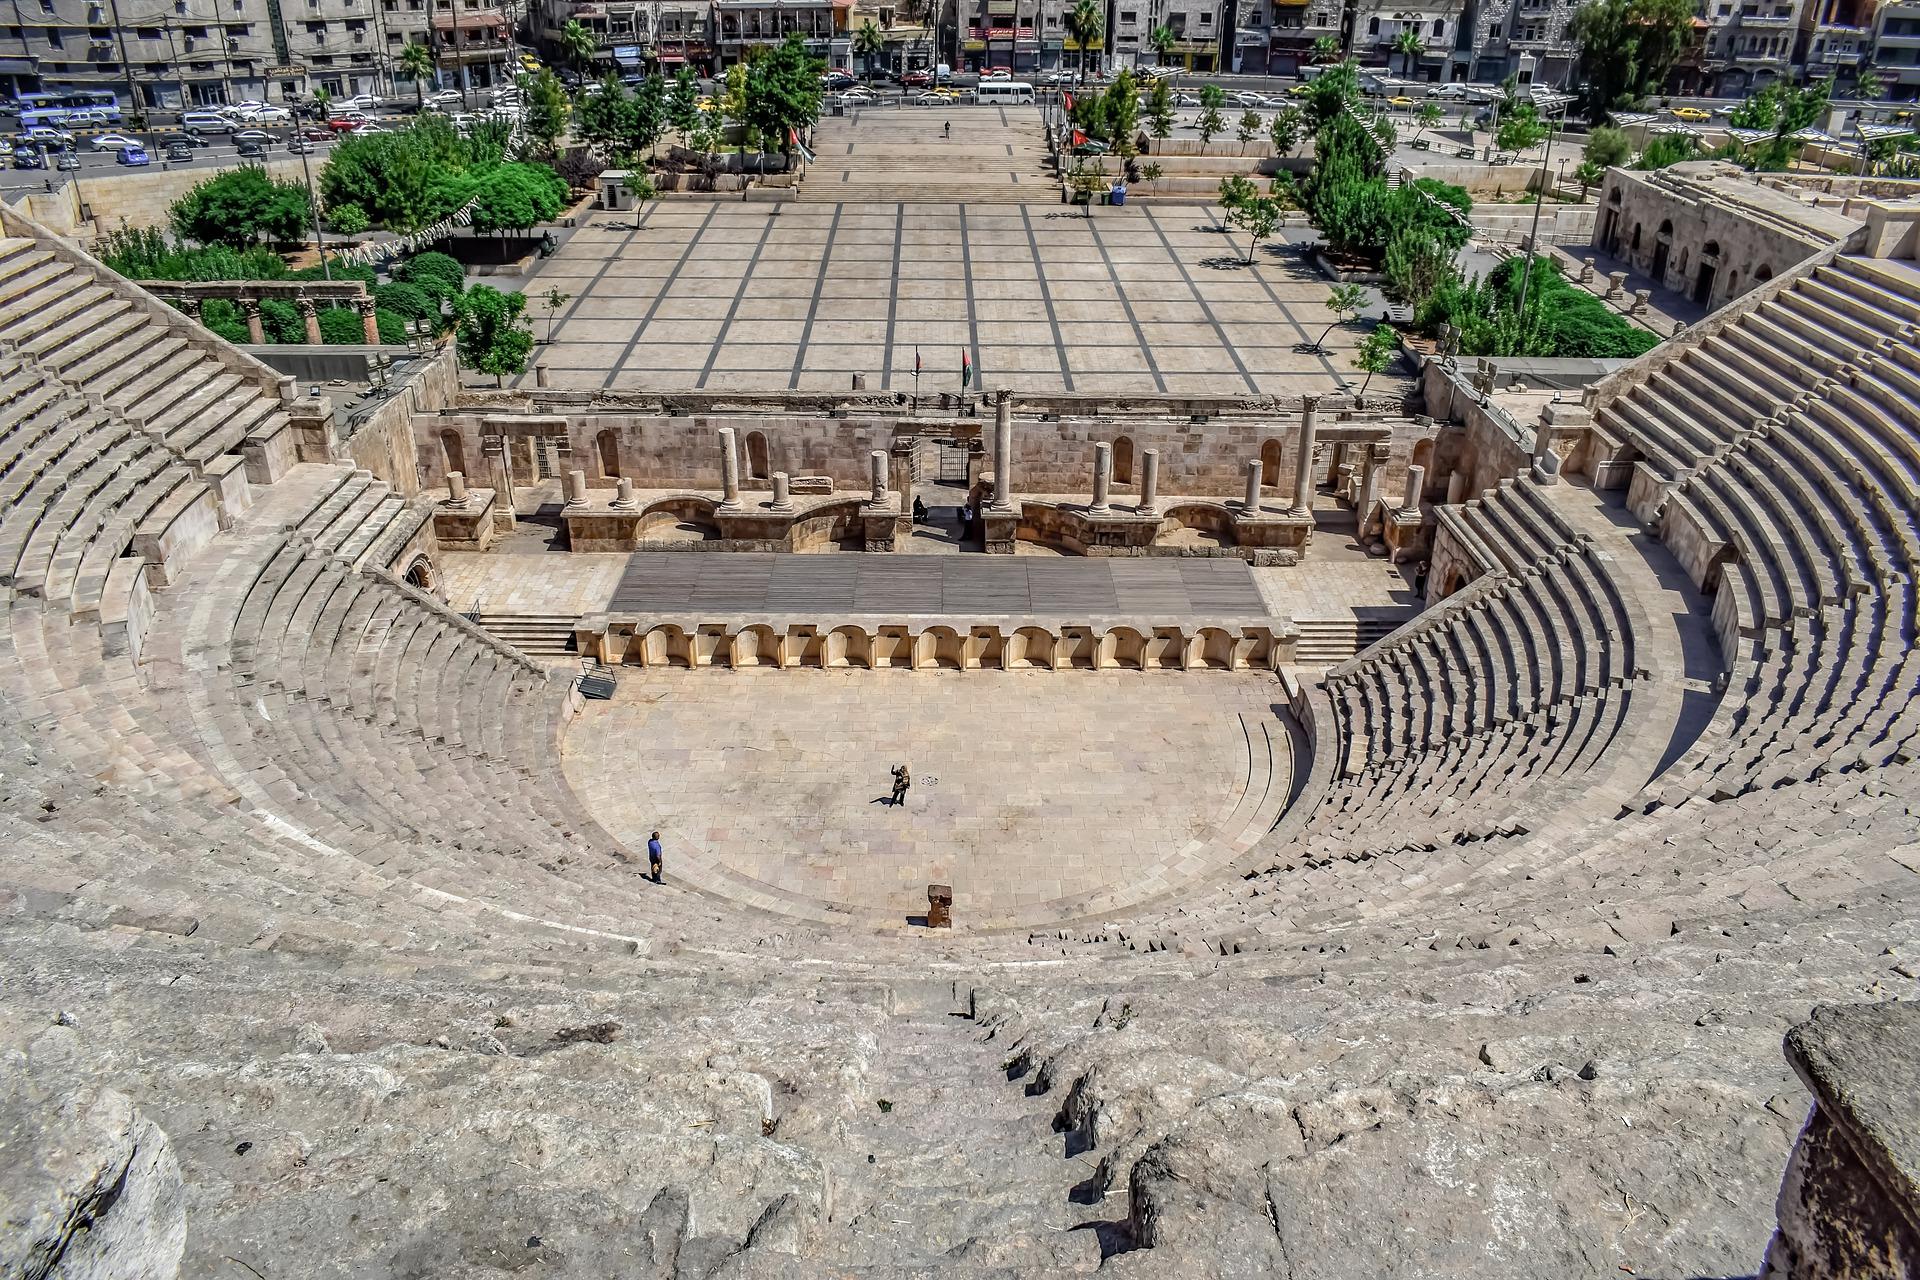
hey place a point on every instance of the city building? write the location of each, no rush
(1836, 39)
(740, 25)
(1750, 44)
(1896, 48)
(1002, 33)
(633, 34)
(1531, 40)
(1378, 29)
(1293, 29)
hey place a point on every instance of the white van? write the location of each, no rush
(1004, 92)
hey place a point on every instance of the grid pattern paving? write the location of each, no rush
(751, 583)
(736, 297)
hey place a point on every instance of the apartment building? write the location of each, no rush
(1896, 48)
(633, 34)
(740, 25)
(1749, 43)
(1378, 29)
(1531, 40)
(1006, 33)
(1292, 28)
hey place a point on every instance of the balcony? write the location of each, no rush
(1767, 23)
(1758, 58)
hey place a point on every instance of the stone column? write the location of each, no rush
(1303, 464)
(540, 376)
(782, 497)
(576, 488)
(623, 493)
(197, 308)
(1149, 483)
(1252, 500)
(1546, 463)
(456, 489)
(1002, 450)
(878, 468)
(256, 331)
(1102, 478)
(1456, 488)
(369, 323)
(729, 472)
(310, 315)
(1416, 481)
(1616, 283)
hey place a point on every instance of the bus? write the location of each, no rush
(1004, 92)
(54, 108)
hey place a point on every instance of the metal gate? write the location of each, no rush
(951, 462)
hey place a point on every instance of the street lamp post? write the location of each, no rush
(1533, 236)
(313, 207)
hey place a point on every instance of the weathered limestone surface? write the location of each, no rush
(89, 1187)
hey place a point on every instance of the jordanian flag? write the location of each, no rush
(966, 369)
(793, 137)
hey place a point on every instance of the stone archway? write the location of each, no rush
(420, 574)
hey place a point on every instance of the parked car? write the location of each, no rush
(133, 154)
(1449, 91)
(178, 152)
(1251, 99)
(1185, 99)
(111, 142)
(444, 98)
(916, 79)
(29, 158)
(997, 73)
(265, 115)
(358, 102)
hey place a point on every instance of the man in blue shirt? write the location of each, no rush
(653, 856)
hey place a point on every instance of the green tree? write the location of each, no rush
(1668, 149)
(347, 219)
(783, 93)
(1160, 107)
(1409, 46)
(1283, 131)
(604, 118)
(1330, 93)
(1377, 351)
(1416, 266)
(1325, 49)
(1427, 117)
(506, 197)
(1122, 111)
(546, 109)
(1521, 128)
(241, 207)
(493, 334)
(1870, 85)
(1345, 301)
(1345, 195)
(683, 110)
(417, 61)
(1607, 147)
(1627, 48)
(1085, 24)
(1249, 129)
(438, 275)
(579, 44)
(553, 299)
(1210, 122)
(647, 116)
(1161, 40)
(869, 44)
(1247, 209)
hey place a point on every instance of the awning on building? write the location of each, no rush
(628, 54)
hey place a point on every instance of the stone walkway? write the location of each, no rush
(1029, 793)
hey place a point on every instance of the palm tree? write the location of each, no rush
(869, 44)
(1869, 86)
(1085, 24)
(417, 61)
(1325, 49)
(578, 43)
(1161, 40)
(1409, 46)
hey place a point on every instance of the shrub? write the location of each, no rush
(348, 219)
(438, 274)
(393, 327)
(224, 318)
(408, 301)
(340, 326)
(281, 321)
(147, 254)
(241, 206)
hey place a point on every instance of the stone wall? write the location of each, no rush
(1050, 457)
(384, 442)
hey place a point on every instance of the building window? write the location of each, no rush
(1206, 19)
(1129, 16)
(1373, 26)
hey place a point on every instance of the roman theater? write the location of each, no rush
(1354, 829)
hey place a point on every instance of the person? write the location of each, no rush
(653, 855)
(966, 516)
(902, 779)
(919, 510)
(946, 130)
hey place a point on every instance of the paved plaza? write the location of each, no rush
(720, 295)
(1027, 789)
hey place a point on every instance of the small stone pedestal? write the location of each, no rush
(1000, 528)
(939, 906)
(466, 524)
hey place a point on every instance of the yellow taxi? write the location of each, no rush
(1400, 100)
(1301, 88)
(1693, 115)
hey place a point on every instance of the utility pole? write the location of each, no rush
(313, 207)
(126, 67)
(1533, 236)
